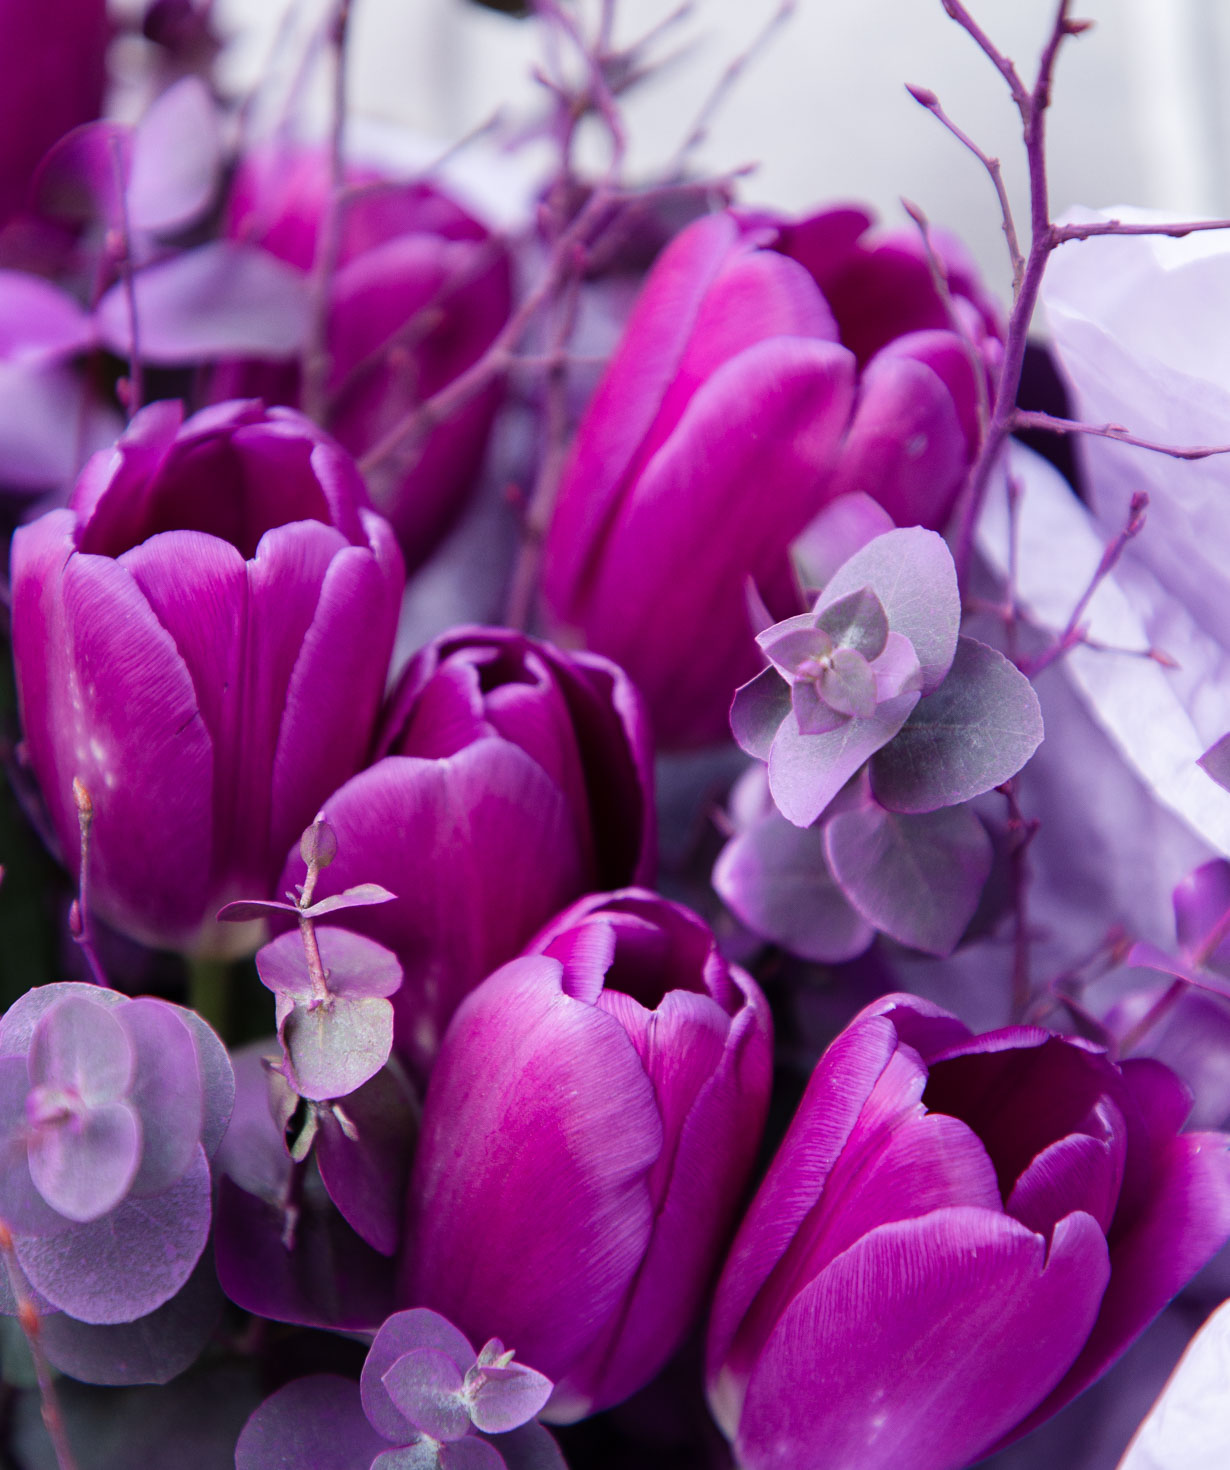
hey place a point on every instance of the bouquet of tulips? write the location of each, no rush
(616, 835)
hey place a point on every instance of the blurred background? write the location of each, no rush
(1140, 115)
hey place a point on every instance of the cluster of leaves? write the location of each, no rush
(878, 722)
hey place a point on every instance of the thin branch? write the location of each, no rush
(1027, 419)
(956, 11)
(939, 278)
(329, 239)
(555, 433)
(1114, 549)
(499, 356)
(598, 95)
(136, 383)
(1032, 107)
(726, 82)
(31, 1324)
(1022, 831)
(1177, 230)
(926, 98)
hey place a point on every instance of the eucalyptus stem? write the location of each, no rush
(210, 984)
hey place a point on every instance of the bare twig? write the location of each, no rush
(1021, 832)
(546, 488)
(1024, 419)
(939, 278)
(135, 391)
(1060, 234)
(1072, 633)
(329, 237)
(931, 102)
(726, 82)
(31, 1324)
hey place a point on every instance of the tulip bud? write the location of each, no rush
(201, 640)
(510, 778)
(958, 1234)
(767, 368)
(587, 1132)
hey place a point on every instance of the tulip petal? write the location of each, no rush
(1073, 1173)
(830, 1109)
(906, 443)
(774, 415)
(1184, 1222)
(587, 1133)
(480, 849)
(1020, 1090)
(333, 695)
(92, 657)
(715, 1147)
(628, 398)
(923, 1343)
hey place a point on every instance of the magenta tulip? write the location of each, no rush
(766, 368)
(958, 1234)
(509, 778)
(201, 638)
(587, 1133)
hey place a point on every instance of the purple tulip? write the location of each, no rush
(52, 57)
(509, 778)
(202, 638)
(587, 1132)
(742, 398)
(958, 1235)
(915, 430)
(420, 291)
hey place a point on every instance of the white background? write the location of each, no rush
(1138, 116)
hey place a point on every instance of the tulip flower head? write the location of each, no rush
(510, 777)
(587, 1131)
(767, 368)
(202, 638)
(958, 1234)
